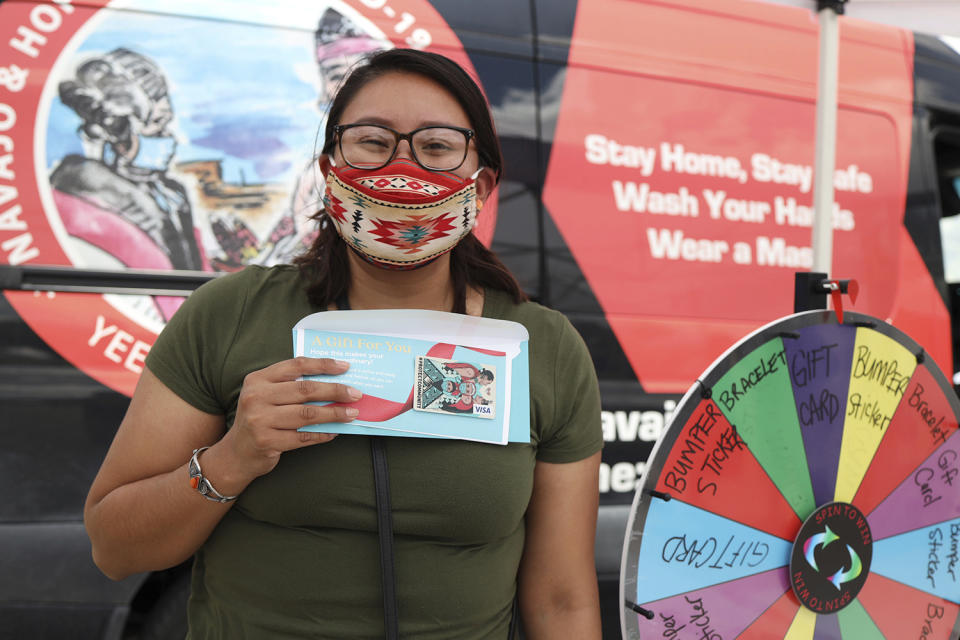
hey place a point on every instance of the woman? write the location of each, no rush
(296, 554)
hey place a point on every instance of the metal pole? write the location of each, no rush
(825, 152)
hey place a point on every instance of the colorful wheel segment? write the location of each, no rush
(807, 488)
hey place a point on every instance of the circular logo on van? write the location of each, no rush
(831, 557)
(122, 149)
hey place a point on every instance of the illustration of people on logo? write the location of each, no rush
(340, 44)
(128, 199)
(455, 387)
(118, 196)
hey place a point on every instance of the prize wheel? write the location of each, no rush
(807, 488)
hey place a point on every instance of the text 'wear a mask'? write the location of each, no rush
(400, 216)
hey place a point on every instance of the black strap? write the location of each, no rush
(381, 481)
(381, 477)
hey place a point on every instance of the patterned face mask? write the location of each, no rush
(400, 216)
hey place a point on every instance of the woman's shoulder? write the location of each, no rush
(255, 274)
(250, 279)
(533, 315)
(554, 341)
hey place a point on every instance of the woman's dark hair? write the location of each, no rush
(325, 267)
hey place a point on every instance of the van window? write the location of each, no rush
(950, 234)
(947, 150)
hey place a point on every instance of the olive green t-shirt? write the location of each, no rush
(297, 556)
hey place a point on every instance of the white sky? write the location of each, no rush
(936, 17)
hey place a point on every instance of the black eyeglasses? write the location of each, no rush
(371, 146)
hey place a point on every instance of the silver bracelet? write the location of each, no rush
(201, 484)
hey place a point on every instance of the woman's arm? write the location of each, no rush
(142, 514)
(558, 579)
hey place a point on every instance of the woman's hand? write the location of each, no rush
(142, 513)
(272, 406)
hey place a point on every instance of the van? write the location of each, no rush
(657, 190)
